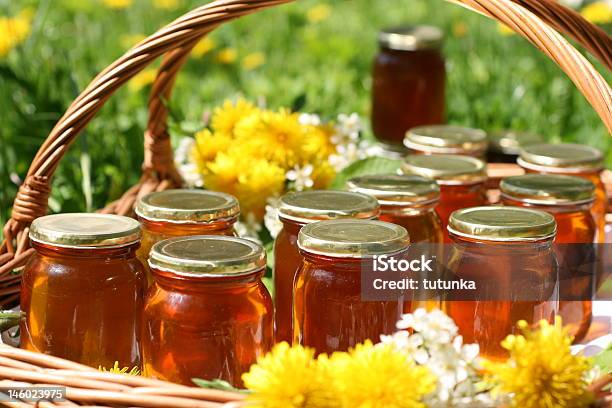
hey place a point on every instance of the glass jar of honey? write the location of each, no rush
(569, 199)
(461, 179)
(329, 314)
(405, 200)
(446, 139)
(208, 315)
(505, 145)
(296, 210)
(507, 252)
(176, 213)
(573, 160)
(408, 82)
(82, 291)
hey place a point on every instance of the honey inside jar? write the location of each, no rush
(329, 314)
(446, 139)
(183, 212)
(507, 252)
(208, 314)
(82, 291)
(569, 199)
(461, 180)
(408, 82)
(573, 160)
(296, 210)
(505, 145)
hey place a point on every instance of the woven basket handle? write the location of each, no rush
(178, 38)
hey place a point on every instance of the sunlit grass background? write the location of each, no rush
(320, 50)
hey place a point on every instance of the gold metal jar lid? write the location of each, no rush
(187, 206)
(411, 38)
(397, 190)
(511, 142)
(549, 189)
(502, 224)
(562, 157)
(446, 169)
(85, 230)
(446, 139)
(315, 205)
(351, 238)
(207, 256)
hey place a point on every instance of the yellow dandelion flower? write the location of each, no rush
(253, 60)
(260, 180)
(117, 4)
(14, 31)
(504, 29)
(537, 377)
(142, 79)
(130, 40)
(460, 29)
(115, 369)
(288, 377)
(277, 136)
(166, 4)
(208, 145)
(227, 56)
(203, 47)
(318, 13)
(225, 117)
(380, 377)
(317, 142)
(599, 12)
(323, 174)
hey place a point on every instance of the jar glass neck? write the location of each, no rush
(122, 252)
(291, 226)
(551, 208)
(190, 228)
(408, 210)
(492, 247)
(171, 280)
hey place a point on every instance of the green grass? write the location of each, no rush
(495, 81)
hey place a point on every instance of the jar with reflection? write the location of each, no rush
(461, 179)
(507, 252)
(408, 82)
(569, 199)
(208, 315)
(446, 139)
(296, 210)
(572, 160)
(82, 291)
(329, 313)
(505, 145)
(183, 212)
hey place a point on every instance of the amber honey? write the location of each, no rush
(296, 210)
(176, 213)
(569, 199)
(82, 291)
(573, 160)
(446, 139)
(329, 314)
(461, 180)
(208, 314)
(508, 253)
(408, 82)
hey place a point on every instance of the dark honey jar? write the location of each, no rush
(408, 82)
(82, 291)
(329, 313)
(461, 179)
(183, 212)
(569, 199)
(446, 139)
(573, 160)
(405, 200)
(505, 145)
(508, 253)
(296, 210)
(208, 315)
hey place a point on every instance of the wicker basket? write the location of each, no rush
(539, 21)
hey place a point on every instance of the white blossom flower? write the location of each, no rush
(248, 228)
(347, 129)
(301, 176)
(349, 153)
(186, 168)
(311, 119)
(271, 220)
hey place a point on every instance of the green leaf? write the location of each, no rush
(9, 319)
(604, 359)
(216, 384)
(371, 165)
